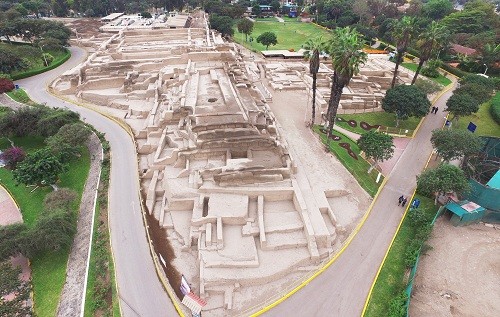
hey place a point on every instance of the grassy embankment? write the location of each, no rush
(48, 270)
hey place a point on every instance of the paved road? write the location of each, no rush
(342, 289)
(140, 291)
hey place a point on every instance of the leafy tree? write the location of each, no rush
(10, 62)
(11, 240)
(312, 48)
(223, 24)
(480, 93)
(53, 119)
(146, 15)
(12, 156)
(477, 79)
(275, 5)
(461, 105)
(403, 31)
(21, 123)
(437, 9)
(11, 283)
(454, 144)
(60, 8)
(245, 26)
(345, 50)
(54, 230)
(445, 178)
(490, 55)
(39, 168)
(6, 85)
(377, 146)
(406, 101)
(267, 38)
(69, 140)
(429, 40)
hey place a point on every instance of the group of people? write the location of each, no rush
(402, 201)
(434, 110)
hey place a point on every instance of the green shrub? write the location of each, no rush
(455, 71)
(495, 108)
(47, 59)
(397, 307)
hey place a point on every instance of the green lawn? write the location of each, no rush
(392, 279)
(21, 96)
(440, 80)
(382, 118)
(291, 35)
(358, 168)
(486, 126)
(49, 270)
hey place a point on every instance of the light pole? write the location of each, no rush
(485, 69)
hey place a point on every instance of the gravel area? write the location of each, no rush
(70, 303)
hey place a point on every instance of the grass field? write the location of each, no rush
(358, 168)
(291, 35)
(382, 118)
(486, 126)
(48, 270)
(440, 80)
(21, 96)
(392, 279)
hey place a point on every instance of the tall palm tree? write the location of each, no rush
(490, 55)
(347, 56)
(428, 42)
(403, 31)
(313, 47)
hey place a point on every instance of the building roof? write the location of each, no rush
(463, 49)
(463, 207)
(494, 182)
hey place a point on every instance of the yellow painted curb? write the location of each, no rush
(158, 269)
(390, 245)
(331, 261)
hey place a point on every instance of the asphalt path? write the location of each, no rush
(343, 288)
(140, 291)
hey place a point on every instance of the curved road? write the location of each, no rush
(139, 289)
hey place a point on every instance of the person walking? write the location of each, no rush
(403, 203)
(400, 200)
(436, 110)
(433, 108)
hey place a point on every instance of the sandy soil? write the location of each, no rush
(460, 276)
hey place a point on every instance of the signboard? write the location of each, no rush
(471, 127)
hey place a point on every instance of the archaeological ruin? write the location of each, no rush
(215, 167)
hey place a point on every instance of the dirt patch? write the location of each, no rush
(366, 126)
(162, 246)
(460, 276)
(347, 147)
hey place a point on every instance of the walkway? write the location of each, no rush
(6, 101)
(343, 288)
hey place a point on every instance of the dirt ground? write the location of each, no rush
(460, 276)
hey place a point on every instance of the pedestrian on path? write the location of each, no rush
(400, 200)
(404, 202)
(436, 110)
(433, 108)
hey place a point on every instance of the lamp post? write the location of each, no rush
(485, 69)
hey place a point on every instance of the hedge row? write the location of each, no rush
(495, 108)
(34, 72)
(455, 71)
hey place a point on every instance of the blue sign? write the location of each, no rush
(471, 127)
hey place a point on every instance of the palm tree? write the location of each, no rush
(430, 40)
(347, 56)
(490, 55)
(313, 47)
(402, 33)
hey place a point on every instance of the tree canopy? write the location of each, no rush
(406, 101)
(245, 26)
(377, 146)
(40, 168)
(267, 38)
(454, 144)
(461, 105)
(445, 178)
